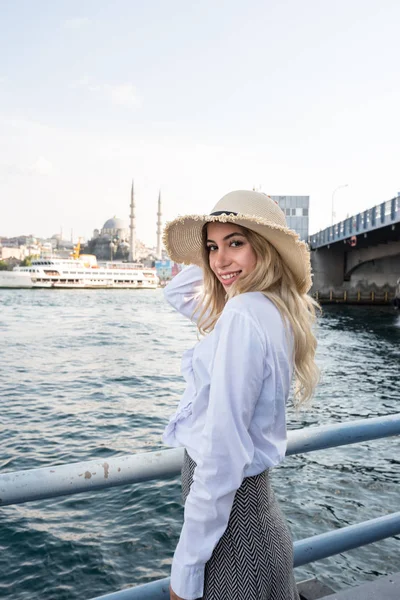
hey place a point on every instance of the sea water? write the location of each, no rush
(94, 374)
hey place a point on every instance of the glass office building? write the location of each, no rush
(296, 211)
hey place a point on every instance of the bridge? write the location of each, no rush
(358, 259)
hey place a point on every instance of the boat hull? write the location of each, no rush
(14, 281)
(11, 279)
(79, 274)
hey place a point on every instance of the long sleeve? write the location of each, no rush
(183, 291)
(238, 372)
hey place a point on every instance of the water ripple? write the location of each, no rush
(87, 375)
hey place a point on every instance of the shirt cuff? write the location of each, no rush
(187, 581)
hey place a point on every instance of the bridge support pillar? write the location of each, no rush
(328, 267)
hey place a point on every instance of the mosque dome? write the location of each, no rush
(115, 223)
(115, 227)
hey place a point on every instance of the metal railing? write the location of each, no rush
(381, 215)
(36, 484)
(305, 551)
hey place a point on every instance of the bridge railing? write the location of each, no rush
(35, 484)
(378, 216)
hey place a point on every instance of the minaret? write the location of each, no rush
(132, 228)
(159, 227)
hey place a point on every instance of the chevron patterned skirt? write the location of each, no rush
(254, 558)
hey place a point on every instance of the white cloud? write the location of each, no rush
(7, 169)
(41, 166)
(125, 95)
(86, 83)
(76, 23)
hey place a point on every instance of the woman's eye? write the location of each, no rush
(236, 243)
(211, 248)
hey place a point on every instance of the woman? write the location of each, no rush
(247, 294)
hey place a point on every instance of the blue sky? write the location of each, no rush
(198, 99)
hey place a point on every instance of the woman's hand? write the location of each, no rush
(173, 596)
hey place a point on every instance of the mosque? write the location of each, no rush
(118, 241)
(115, 228)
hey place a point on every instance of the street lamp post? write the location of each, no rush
(333, 197)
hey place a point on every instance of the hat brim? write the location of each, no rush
(183, 242)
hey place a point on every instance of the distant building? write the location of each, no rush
(20, 247)
(117, 240)
(115, 228)
(164, 269)
(111, 241)
(296, 209)
(13, 252)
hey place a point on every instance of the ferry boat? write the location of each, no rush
(82, 272)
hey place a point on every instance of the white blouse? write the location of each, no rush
(231, 417)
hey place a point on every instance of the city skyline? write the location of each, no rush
(90, 93)
(280, 199)
(69, 236)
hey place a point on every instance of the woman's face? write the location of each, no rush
(231, 255)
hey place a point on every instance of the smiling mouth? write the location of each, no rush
(229, 276)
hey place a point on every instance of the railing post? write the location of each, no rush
(393, 209)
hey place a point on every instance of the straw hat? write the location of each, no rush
(254, 210)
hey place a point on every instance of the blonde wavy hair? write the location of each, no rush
(274, 279)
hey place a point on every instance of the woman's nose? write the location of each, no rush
(222, 259)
